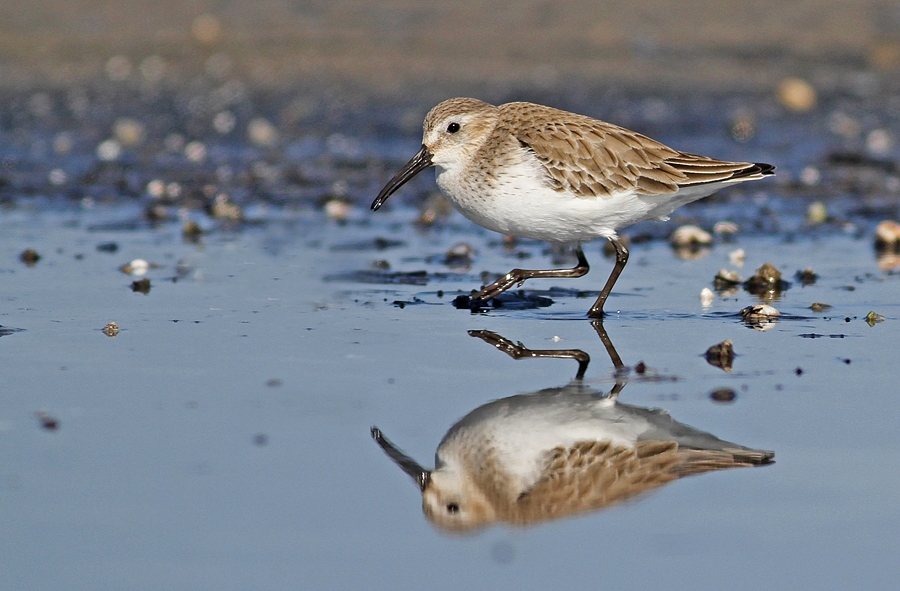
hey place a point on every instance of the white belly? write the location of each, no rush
(519, 204)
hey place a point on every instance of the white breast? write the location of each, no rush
(518, 202)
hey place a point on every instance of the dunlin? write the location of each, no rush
(558, 452)
(537, 172)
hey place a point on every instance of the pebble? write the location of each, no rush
(459, 254)
(141, 286)
(725, 228)
(816, 213)
(766, 281)
(807, 276)
(796, 94)
(726, 279)
(137, 267)
(48, 422)
(206, 29)
(30, 257)
(261, 132)
(435, 208)
(723, 395)
(337, 209)
(759, 314)
(887, 235)
(721, 355)
(690, 236)
(129, 132)
(872, 318)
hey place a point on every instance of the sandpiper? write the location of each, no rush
(532, 171)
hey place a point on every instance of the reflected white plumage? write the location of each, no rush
(535, 457)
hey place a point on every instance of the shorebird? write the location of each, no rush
(532, 171)
(558, 452)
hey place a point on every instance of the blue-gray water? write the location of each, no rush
(221, 439)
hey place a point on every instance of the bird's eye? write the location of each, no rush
(452, 508)
(453, 128)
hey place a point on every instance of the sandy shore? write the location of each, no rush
(394, 47)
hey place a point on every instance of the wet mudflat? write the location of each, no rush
(221, 438)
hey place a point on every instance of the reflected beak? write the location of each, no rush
(421, 476)
(419, 162)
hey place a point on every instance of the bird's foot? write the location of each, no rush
(472, 303)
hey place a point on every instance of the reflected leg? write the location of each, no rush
(621, 370)
(520, 351)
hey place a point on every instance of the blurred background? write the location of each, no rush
(392, 47)
(297, 102)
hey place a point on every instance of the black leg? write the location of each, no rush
(596, 310)
(518, 276)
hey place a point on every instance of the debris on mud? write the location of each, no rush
(766, 282)
(872, 318)
(47, 422)
(723, 395)
(721, 355)
(509, 300)
(30, 257)
(759, 316)
(690, 236)
(459, 255)
(141, 286)
(726, 280)
(806, 277)
(887, 236)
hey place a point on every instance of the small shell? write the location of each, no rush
(760, 316)
(887, 235)
(797, 94)
(690, 235)
(337, 209)
(137, 267)
(807, 276)
(30, 257)
(766, 281)
(459, 254)
(816, 213)
(726, 279)
(721, 355)
(737, 257)
(872, 318)
(725, 228)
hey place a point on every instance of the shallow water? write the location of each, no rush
(221, 439)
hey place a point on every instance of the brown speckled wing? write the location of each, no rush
(591, 475)
(592, 158)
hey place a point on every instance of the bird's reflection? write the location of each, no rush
(557, 452)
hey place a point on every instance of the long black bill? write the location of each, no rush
(406, 463)
(419, 162)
